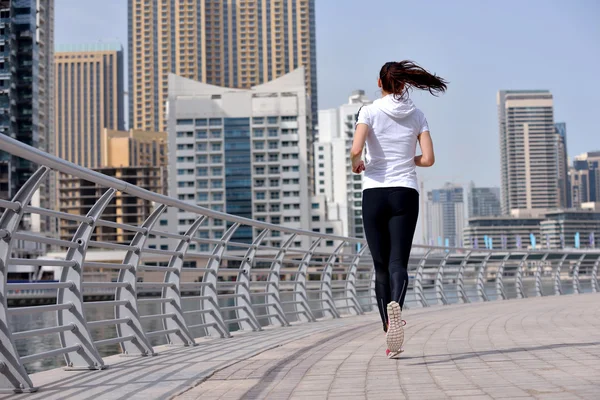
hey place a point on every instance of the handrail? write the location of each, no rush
(241, 286)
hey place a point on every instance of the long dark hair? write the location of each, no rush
(398, 78)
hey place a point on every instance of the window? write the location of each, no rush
(216, 159)
(315, 206)
(295, 168)
(202, 184)
(217, 184)
(216, 171)
(357, 186)
(215, 121)
(290, 118)
(202, 196)
(258, 120)
(273, 182)
(329, 230)
(274, 170)
(201, 159)
(358, 204)
(273, 145)
(274, 207)
(316, 230)
(272, 120)
(260, 208)
(201, 134)
(274, 195)
(164, 247)
(329, 243)
(203, 171)
(316, 218)
(259, 132)
(259, 170)
(273, 132)
(273, 157)
(200, 122)
(275, 220)
(185, 122)
(321, 165)
(259, 183)
(259, 145)
(164, 222)
(215, 134)
(201, 147)
(260, 195)
(296, 219)
(287, 219)
(215, 146)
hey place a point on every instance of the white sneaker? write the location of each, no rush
(395, 333)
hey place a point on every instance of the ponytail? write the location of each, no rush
(398, 78)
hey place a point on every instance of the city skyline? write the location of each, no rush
(450, 115)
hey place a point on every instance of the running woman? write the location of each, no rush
(390, 129)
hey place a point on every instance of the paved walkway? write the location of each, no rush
(542, 348)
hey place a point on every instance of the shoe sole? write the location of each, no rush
(395, 333)
(392, 355)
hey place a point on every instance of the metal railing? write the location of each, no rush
(239, 285)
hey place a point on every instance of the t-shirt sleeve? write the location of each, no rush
(424, 126)
(364, 117)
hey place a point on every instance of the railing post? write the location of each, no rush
(439, 281)
(275, 309)
(327, 301)
(246, 314)
(460, 284)
(595, 286)
(501, 294)
(88, 357)
(519, 278)
(539, 292)
(418, 284)
(300, 296)
(576, 284)
(140, 345)
(481, 278)
(557, 283)
(351, 282)
(210, 291)
(13, 377)
(183, 335)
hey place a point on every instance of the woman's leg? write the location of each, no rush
(404, 205)
(375, 224)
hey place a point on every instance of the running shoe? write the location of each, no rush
(390, 354)
(395, 333)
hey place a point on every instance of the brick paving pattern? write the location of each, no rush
(540, 348)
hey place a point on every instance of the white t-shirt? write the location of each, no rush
(392, 142)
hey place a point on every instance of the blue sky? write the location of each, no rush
(479, 46)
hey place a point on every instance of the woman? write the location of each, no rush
(390, 128)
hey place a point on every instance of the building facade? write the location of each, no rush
(229, 43)
(505, 232)
(89, 93)
(242, 152)
(139, 158)
(445, 216)
(484, 202)
(26, 101)
(584, 179)
(564, 187)
(333, 174)
(528, 151)
(559, 228)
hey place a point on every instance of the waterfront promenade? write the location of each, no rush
(542, 348)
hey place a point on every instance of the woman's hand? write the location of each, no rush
(358, 166)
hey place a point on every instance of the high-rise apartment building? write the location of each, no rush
(528, 150)
(333, 174)
(584, 179)
(445, 216)
(139, 158)
(229, 43)
(242, 152)
(26, 101)
(564, 188)
(484, 201)
(89, 95)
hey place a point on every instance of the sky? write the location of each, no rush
(480, 47)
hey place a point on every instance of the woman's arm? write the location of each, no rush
(427, 157)
(360, 137)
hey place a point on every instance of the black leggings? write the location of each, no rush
(390, 217)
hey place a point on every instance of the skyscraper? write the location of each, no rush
(528, 150)
(484, 201)
(26, 87)
(229, 43)
(445, 215)
(334, 178)
(564, 188)
(584, 179)
(242, 152)
(89, 93)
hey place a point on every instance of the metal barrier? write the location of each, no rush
(242, 286)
